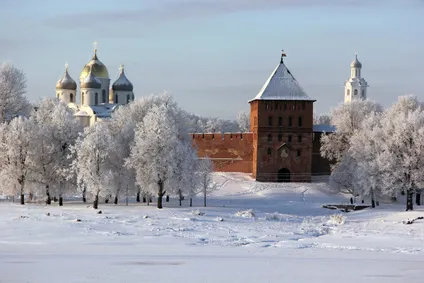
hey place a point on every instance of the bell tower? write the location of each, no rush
(355, 86)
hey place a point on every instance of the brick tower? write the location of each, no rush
(281, 119)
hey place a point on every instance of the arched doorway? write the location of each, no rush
(284, 175)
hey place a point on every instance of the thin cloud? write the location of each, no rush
(168, 11)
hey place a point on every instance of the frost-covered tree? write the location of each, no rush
(154, 154)
(243, 121)
(92, 163)
(184, 180)
(204, 173)
(401, 157)
(55, 130)
(347, 118)
(322, 119)
(343, 177)
(15, 145)
(13, 101)
(365, 147)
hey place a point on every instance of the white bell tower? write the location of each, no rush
(355, 86)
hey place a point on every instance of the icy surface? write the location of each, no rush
(252, 232)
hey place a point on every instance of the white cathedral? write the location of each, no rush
(97, 99)
(355, 86)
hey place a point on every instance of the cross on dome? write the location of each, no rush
(283, 54)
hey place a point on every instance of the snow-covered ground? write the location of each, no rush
(251, 232)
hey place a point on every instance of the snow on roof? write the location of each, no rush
(81, 113)
(281, 85)
(324, 128)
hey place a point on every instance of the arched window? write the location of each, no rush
(280, 121)
(285, 105)
(363, 93)
(289, 139)
(103, 96)
(355, 92)
(116, 98)
(299, 138)
(270, 121)
(128, 98)
(82, 97)
(132, 97)
(269, 137)
(57, 95)
(299, 121)
(290, 121)
(280, 137)
(96, 98)
(71, 97)
(269, 151)
(348, 92)
(298, 153)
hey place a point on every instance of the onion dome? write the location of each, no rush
(356, 63)
(91, 81)
(66, 82)
(98, 68)
(122, 83)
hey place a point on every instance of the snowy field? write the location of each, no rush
(251, 232)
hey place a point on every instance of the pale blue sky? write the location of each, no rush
(215, 55)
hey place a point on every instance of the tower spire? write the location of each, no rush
(95, 50)
(283, 54)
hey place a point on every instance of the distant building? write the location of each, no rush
(97, 100)
(282, 145)
(355, 86)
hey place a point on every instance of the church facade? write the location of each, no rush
(96, 98)
(283, 144)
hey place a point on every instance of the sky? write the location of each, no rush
(215, 55)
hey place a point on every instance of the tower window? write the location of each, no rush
(71, 97)
(270, 121)
(290, 121)
(348, 92)
(96, 98)
(269, 137)
(128, 98)
(116, 98)
(267, 107)
(269, 151)
(299, 138)
(285, 106)
(104, 96)
(299, 120)
(280, 137)
(355, 92)
(276, 106)
(82, 97)
(289, 139)
(298, 153)
(255, 121)
(303, 105)
(280, 121)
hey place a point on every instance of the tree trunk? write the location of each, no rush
(96, 202)
(180, 197)
(372, 198)
(409, 201)
(418, 198)
(138, 196)
(191, 202)
(22, 199)
(150, 199)
(116, 200)
(60, 201)
(144, 199)
(161, 193)
(167, 198)
(48, 199)
(204, 198)
(84, 199)
(22, 193)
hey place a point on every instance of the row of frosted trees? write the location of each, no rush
(378, 153)
(143, 150)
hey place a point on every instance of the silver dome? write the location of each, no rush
(66, 82)
(91, 81)
(122, 83)
(356, 63)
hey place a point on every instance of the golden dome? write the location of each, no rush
(98, 68)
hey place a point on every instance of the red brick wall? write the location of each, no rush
(266, 166)
(229, 152)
